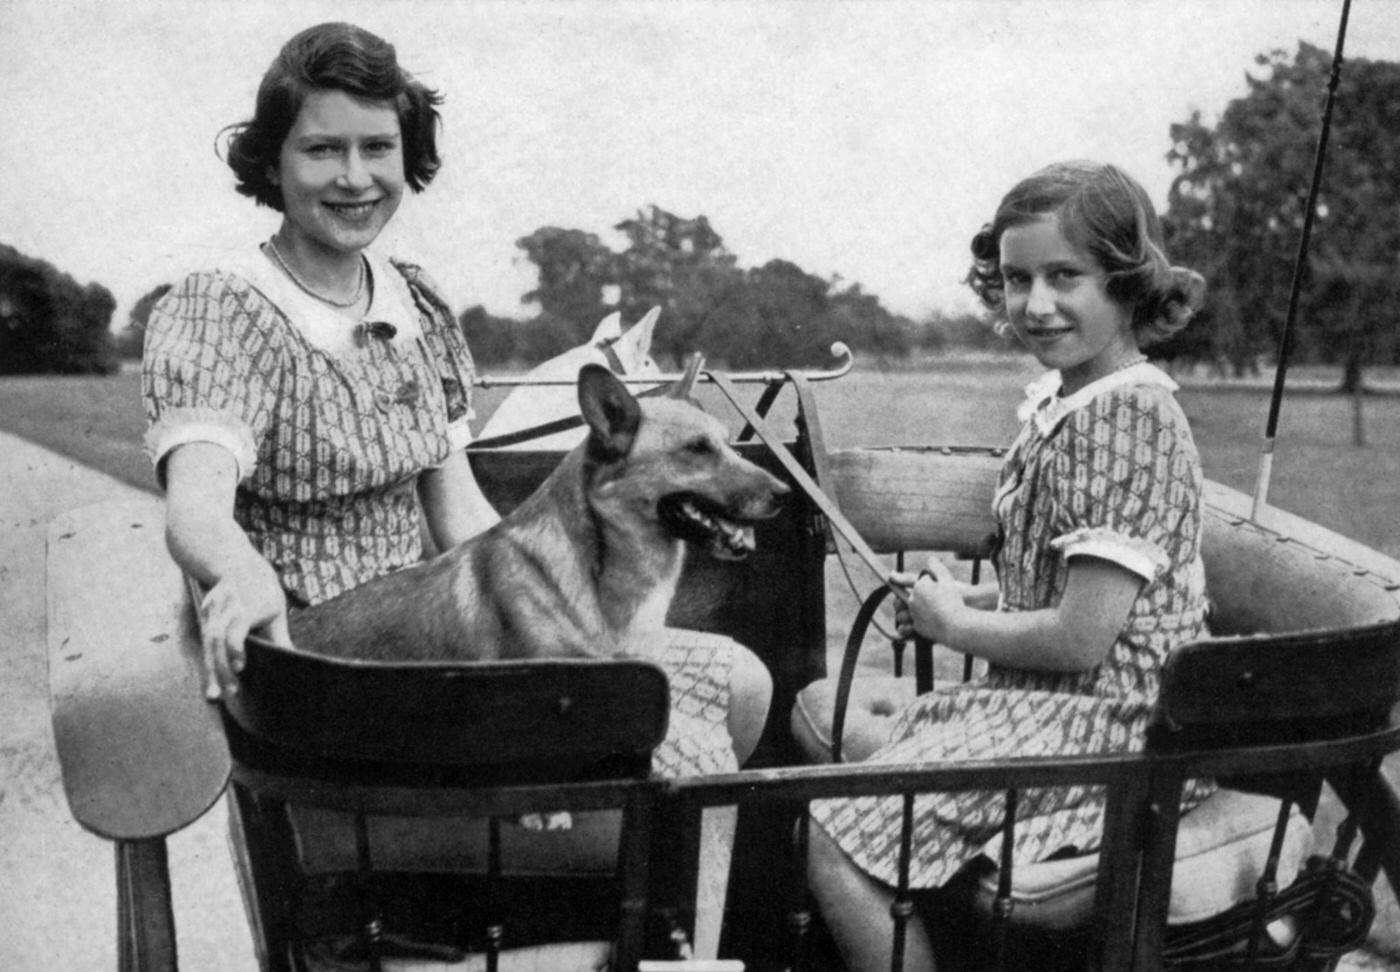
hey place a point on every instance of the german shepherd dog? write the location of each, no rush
(587, 563)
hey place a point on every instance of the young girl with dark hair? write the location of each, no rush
(308, 400)
(1098, 562)
(340, 57)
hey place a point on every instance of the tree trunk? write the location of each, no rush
(1358, 428)
(1353, 381)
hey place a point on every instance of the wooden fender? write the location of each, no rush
(142, 752)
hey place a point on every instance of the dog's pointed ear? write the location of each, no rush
(612, 414)
(682, 388)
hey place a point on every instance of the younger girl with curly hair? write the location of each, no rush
(1098, 561)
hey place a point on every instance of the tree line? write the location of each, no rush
(1234, 212)
(774, 314)
(50, 322)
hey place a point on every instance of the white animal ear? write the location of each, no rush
(639, 334)
(612, 414)
(608, 329)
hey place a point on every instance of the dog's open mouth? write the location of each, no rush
(690, 517)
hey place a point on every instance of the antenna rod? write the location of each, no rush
(1285, 344)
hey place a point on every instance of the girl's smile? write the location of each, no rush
(341, 173)
(1058, 305)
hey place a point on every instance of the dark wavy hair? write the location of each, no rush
(1107, 213)
(333, 56)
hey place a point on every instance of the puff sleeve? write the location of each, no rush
(209, 369)
(1128, 481)
(446, 346)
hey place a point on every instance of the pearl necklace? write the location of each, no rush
(1136, 359)
(359, 285)
(1127, 363)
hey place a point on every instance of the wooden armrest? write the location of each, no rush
(142, 753)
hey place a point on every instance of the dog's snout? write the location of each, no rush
(771, 494)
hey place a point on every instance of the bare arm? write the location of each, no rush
(244, 593)
(985, 596)
(453, 504)
(1073, 636)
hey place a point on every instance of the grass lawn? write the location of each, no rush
(1318, 473)
(95, 419)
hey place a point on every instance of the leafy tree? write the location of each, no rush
(49, 322)
(774, 314)
(680, 265)
(965, 330)
(131, 339)
(859, 318)
(786, 318)
(492, 340)
(574, 267)
(1236, 211)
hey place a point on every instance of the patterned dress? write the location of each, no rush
(330, 423)
(1109, 472)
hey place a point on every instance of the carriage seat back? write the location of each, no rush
(325, 749)
(442, 724)
(1277, 689)
(332, 736)
(1282, 573)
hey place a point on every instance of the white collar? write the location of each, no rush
(323, 326)
(1044, 404)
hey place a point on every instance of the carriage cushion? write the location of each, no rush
(1221, 845)
(1221, 849)
(874, 701)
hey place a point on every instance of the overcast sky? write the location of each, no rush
(868, 139)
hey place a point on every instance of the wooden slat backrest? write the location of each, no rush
(1274, 689)
(366, 721)
(903, 499)
(1271, 714)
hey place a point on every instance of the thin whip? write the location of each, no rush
(1285, 344)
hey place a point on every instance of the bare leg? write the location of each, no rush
(750, 693)
(712, 880)
(856, 909)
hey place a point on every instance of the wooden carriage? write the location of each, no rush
(336, 770)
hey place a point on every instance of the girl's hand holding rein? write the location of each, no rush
(1074, 635)
(937, 602)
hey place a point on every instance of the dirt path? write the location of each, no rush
(57, 900)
